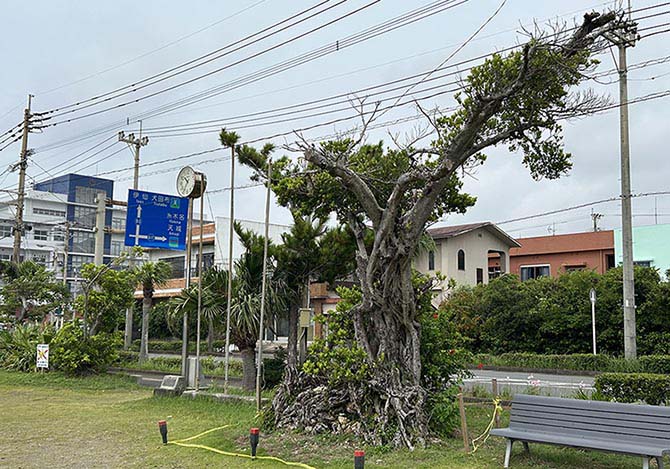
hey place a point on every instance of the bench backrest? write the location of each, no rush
(591, 419)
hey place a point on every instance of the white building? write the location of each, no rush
(461, 254)
(60, 207)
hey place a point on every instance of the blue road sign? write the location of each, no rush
(156, 220)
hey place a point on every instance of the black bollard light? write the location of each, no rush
(359, 459)
(162, 426)
(254, 436)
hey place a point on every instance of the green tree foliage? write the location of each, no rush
(30, 292)
(76, 353)
(553, 315)
(110, 293)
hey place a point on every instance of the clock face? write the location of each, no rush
(186, 181)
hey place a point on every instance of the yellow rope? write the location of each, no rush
(485, 436)
(226, 453)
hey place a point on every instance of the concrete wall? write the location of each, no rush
(650, 243)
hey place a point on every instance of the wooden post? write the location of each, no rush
(464, 423)
(494, 390)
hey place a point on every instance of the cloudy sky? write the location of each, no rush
(68, 52)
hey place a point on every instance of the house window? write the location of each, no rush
(207, 261)
(177, 264)
(480, 276)
(461, 259)
(83, 241)
(76, 263)
(49, 212)
(116, 248)
(574, 268)
(86, 195)
(494, 272)
(40, 259)
(6, 231)
(57, 236)
(642, 263)
(118, 223)
(84, 216)
(609, 261)
(534, 271)
(431, 260)
(41, 235)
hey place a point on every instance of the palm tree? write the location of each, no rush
(150, 275)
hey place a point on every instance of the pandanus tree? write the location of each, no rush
(516, 99)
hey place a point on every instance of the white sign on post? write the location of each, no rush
(42, 355)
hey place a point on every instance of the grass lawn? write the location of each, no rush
(107, 421)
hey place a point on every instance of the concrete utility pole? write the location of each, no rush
(138, 143)
(623, 40)
(101, 202)
(23, 164)
(595, 217)
(261, 327)
(231, 233)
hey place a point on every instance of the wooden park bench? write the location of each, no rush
(641, 430)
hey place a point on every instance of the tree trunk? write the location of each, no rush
(248, 369)
(144, 341)
(292, 351)
(389, 408)
(210, 335)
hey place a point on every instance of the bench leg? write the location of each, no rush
(645, 462)
(508, 452)
(659, 460)
(525, 447)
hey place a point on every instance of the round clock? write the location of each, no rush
(191, 183)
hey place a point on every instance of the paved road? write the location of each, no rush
(524, 382)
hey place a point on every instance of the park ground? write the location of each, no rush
(108, 421)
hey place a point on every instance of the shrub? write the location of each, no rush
(634, 387)
(574, 362)
(655, 364)
(74, 354)
(18, 348)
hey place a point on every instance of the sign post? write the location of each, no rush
(42, 356)
(592, 297)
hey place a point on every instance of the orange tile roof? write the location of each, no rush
(573, 242)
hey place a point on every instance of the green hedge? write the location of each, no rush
(655, 364)
(653, 389)
(574, 362)
(175, 346)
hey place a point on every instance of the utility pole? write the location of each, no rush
(138, 143)
(101, 201)
(23, 165)
(596, 217)
(261, 326)
(623, 40)
(231, 233)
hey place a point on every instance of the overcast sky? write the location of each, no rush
(95, 47)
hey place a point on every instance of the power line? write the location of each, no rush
(403, 20)
(185, 64)
(153, 51)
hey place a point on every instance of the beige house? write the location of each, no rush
(462, 254)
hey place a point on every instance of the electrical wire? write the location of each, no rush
(185, 64)
(388, 26)
(117, 124)
(153, 51)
